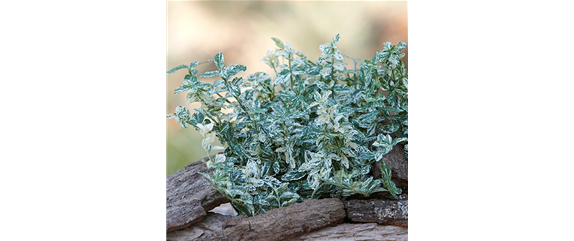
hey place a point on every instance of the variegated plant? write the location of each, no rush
(320, 134)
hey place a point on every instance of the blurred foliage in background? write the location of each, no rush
(242, 31)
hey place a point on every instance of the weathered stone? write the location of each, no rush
(189, 196)
(399, 165)
(210, 228)
(357, 231)
(307, 221)
(388, 212)
(286, 222)
(225, 209)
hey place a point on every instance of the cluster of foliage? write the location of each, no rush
(320, 134)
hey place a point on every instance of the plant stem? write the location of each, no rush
(291, 73)
(273, 65)
(209, 115)
(226, 100)
(243, 107)
(333, 77)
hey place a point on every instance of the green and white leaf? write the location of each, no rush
(219, 60)
(209, 74)
(183, 66)
(232, 70)
(279, 43)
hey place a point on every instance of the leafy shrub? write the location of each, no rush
(320, 134)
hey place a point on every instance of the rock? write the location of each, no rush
(388, 212)
(399, 165)
(225, 209)
(189, 196)
(286, 222)
(309, 220)
(210, 228)
(356, 231)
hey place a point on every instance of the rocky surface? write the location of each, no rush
(276, 224)
(189, 196)
(287, 222)
(210, 228)
(388, 212)
(357, 231)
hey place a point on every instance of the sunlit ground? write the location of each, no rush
(242, 31)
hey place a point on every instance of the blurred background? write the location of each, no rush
(242, 31)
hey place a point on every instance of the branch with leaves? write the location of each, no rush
(320, 134)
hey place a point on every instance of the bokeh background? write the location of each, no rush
(242, 31)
